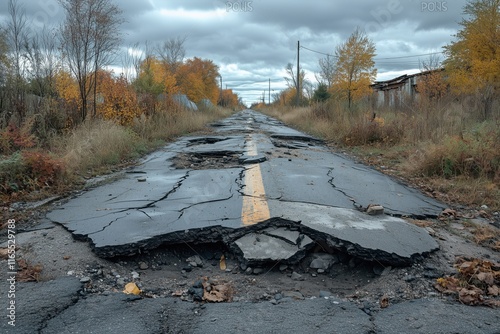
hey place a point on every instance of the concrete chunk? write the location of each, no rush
(260, 247)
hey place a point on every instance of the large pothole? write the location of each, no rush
(212, 160)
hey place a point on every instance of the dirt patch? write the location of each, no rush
(219, 160)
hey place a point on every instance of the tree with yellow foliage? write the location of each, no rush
(117, 99)
(197, 78)
(286, 97)
(354, 69)
(229, 99)
(67, 87)
(473, 61)
(154, 77)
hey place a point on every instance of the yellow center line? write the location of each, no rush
(255, 209)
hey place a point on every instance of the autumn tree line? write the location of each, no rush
(58, 78)
(469, 72)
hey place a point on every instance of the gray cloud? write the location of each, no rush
(253, 41)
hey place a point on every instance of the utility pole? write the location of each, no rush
(298, 74)
(220, 76)
(269, 90)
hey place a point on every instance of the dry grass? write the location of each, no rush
(99, 144)
(487, 236)
(446, 147)
(168, 125)
(463, 190)
(96, 144)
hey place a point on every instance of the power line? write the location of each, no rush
(385, 58)
(322, 53)
(421, 55)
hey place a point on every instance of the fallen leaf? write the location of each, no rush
(447, 285)
(131, 288)
(384, 301)
(492, 303)
(27, 272)
(449, 212)
(218, 293)
(222, 262)
(4, 253)
(470, 296)
(486, 278)
(493, 290)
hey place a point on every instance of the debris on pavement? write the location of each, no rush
(384, 301)
(210, 290)
(132, 288)
(476, 283)
(27, 272)
(375, 209)
(222, 262)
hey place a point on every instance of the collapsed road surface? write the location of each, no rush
(265, 231)
(269, 192)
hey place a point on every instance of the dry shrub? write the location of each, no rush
(475, 154)
(372, 129)
(14, 138)
(176, 121)
(28, 171)
(98, 143)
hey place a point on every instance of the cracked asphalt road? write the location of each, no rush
(269, 193)
(186, 193)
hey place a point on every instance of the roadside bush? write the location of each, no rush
(98, 143)
(14, 138)
(372, 129)
(27, 171)
(475, 154)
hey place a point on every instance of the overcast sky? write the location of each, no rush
(252, 41)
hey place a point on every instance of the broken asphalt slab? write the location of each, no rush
(273, 244)
(384, 239)
(315, 192)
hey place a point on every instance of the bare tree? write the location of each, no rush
(327, 70)
(41, 56)
(432, 63)
(128, 59)
(4, 73)
(17, 33)
(134, 57)
(89, 37)
(172, 52)
(291, 79)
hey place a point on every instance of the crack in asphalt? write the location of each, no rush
(44, 322)
(140, 209)
(358, 206)
(181, 211)
(107, 225)
(279, 237)
(330, 181)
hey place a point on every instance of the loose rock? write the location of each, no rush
(297, 277)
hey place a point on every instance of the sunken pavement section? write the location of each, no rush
(269, 192)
